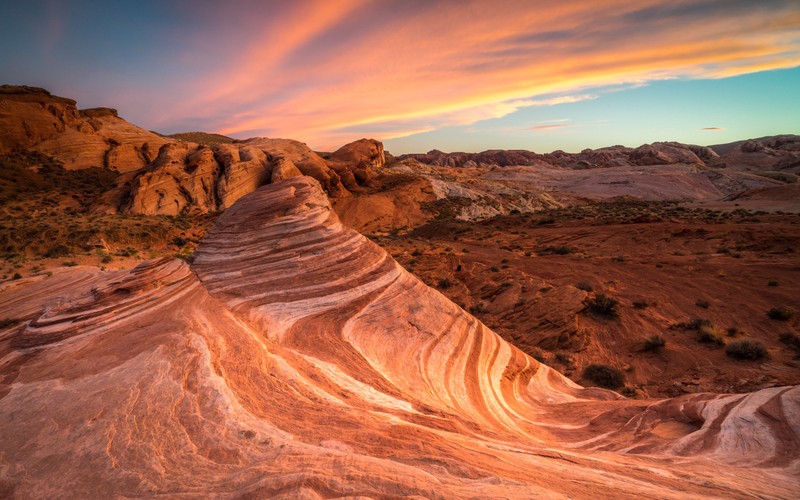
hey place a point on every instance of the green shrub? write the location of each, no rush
(640, 304)
(106, 259)
(604, 376)
(782, 313)
(16, 276)
(603, 305)
(747, 349)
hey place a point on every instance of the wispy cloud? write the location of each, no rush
(329, 72)
(713, 129)
(550, 127)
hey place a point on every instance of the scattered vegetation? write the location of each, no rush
(640, 304)
(773, 283)
(559, 250)
(792, 340)
(603, 305)
(654, 343)
(585, 286)
(747, 349)
(445, 283)
(702, 303)
(707, 334)
(781, 313)
(604, 376)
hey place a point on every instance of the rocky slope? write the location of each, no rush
(776, 153)
(170, 175)
(31, 118)
(658, 153)
(294, 358)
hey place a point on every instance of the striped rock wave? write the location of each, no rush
(293, 358)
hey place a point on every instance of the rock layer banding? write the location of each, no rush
(294, 358)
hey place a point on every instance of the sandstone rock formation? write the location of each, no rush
(188, 177)
(32, 118)
(357, 162)
(658, 153)
(294, 358)
(780, 152)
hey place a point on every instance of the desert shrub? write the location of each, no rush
(16, 276)
(585, 286)
(702, 303)
(560, 250)
(747, 349)
(694, 324)
(732, 331)
(494, 269)
(604, 376)
(654, 343)
(603, 305)
(781, 313)
(69, 263)
(57, 251)
(640, 304)
(563, 358)
(773, 283)
(708, 335)
(792, 340)
(477, 308)
(106, 259)
(445, 283)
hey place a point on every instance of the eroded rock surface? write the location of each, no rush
(32, 118)
(294, 358)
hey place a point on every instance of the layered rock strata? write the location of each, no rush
(294, 358)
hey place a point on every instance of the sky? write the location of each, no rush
(454, 75)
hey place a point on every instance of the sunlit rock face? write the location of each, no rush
(189, 177)
(32, 118)
(295, 358)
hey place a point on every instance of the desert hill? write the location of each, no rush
(294, 358)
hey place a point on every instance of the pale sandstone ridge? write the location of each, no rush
(296, 359)
(32, 118)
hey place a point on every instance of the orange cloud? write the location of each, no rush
(549, 127)
(330, 72)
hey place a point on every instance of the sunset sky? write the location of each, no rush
(452, 75)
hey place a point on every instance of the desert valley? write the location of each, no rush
(195, 315)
